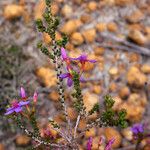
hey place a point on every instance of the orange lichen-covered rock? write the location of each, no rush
(92, 6)
(135, 115)
(101, 27)
(90, 133)
(90, 100)
(138, 37)
(48, 76)
(113, 133)
(124, 92)
(22, 140)
(71, 26)
(145, 68)
(112, 27)
(67, 10)
(135, 77)
(13, 11)
(77, 38)
(89, 35)
(39, 9)
(135, 17)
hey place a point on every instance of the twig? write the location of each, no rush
(77, 123)
(139, 49)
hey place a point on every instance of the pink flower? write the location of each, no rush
(35, 97)
(109, 144)
(22, 93)
(89, 144)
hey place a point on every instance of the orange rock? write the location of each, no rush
(135, 17)
(113, 71)
(124, 2)
(124, 92)
(138, 37)
(85, 18)
(127, 133)
(77, 38)
(90, 133)
(133, 116)
(39, 9)
(67, 10)
(47, 75)
(113, 87)
(101, 27)
(134, 57)
(54, 96)
(71, 26)
(99, 50)
(90, 100)
(13, 11)
(22, 140)
(113, 133)
(92, 5)
(2, 147)
(54, 8)
(69, 46)
(137, 100)
(118, 102)
(97, 89)
(145, 68)
(136, 78)
(112, 27)
(89, 35)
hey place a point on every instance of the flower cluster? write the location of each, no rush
(17, 105)
(108, 145)
(81, 60)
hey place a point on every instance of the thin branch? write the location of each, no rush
(76, 126)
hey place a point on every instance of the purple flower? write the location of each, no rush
(22, 93)
(16, 107)
(69, 78)
(89, 143)
(137, 128)
(109, 144)
(83, 58)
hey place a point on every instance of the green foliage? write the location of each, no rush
(94, 109)
(110, 117)
(63, 41)
(108, 102)
(78, 103)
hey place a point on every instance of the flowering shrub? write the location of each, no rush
(23, 109)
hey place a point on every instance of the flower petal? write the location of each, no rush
(109, 144)
(89, 143)
(69, 82)
(22, 103)
(92, 61)
(9, 112)
(18, 109)
(63, 53)
(22, 92)
(64, 75)
(35, 97)
(82, 80)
